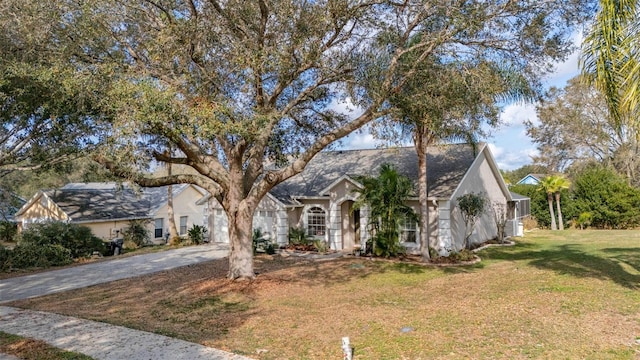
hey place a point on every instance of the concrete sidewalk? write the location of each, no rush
(103, 341)
(81, 276)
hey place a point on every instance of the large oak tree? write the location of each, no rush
(245, 91)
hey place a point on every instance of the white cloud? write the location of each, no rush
(517, 114)
(360, 140)
(346, 107)
(569, 68)
(515, 159)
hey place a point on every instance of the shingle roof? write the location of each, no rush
(446, 166)
(110, 201)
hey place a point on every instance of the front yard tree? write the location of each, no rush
(472, 206)
(246, 91)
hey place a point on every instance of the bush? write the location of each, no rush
(197, 234)
(28, 255)
(262, 244)
(136, 233)
(79, 240)
(8, 231)
(4, 258)
(298, 236)
(387, 244)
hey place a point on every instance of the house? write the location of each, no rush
(108, 208)
(532, 179)
(320, 199)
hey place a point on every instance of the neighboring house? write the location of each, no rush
(10, 203)
(320, 199)
(107, 208)
(532, 179)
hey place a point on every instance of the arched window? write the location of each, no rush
(316, 222)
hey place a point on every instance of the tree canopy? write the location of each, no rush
(245, 91)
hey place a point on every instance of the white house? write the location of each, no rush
(320, 199)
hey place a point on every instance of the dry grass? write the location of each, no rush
(30, 349)
(570, 296)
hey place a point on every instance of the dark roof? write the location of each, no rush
(110, 201)
(10, 203)
(518, 197)
(446, 166)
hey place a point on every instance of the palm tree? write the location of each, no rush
(455, 99)
(561, 183)
(547, 185)
(610, 58)
(386, 197)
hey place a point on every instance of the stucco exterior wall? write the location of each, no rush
(184, 204)
(479, 179)
(107, 230)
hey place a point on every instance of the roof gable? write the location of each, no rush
(446, 166)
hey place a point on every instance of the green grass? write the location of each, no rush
(555, 295)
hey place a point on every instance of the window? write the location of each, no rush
(316, 222)
(158, 228)
(183, 224)
(408, 231)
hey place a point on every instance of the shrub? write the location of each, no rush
(79, 240)
(197, 234)
(387, 244)
(136, 233)
(28, 255)
(262, 244)
(4, 258)
(298, 236)
(8, 230)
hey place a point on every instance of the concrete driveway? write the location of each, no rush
(81, 276)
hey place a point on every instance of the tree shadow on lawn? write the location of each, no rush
(569, 259)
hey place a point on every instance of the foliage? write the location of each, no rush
(5, 255)
(584, 219)
(472, 206)
(79, 240)
(552, 185)
(137, 233)
(539, 203)
(232, 84)
(385, 197)
(298, 236)
(610, 60)
(261, 243)
(8, 231)
(613, 203)
(574, 128)
(43, 255)
(197, 234)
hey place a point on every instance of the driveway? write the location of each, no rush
(81, 276)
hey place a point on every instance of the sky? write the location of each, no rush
(509, 143)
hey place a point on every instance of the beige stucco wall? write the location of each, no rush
(270, 217)
(479, 178)
(107, 229)
(184, 204)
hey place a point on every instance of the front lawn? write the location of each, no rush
(569, 295)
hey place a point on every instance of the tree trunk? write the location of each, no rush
(421, 150)
(553, 216)
(240, 211)
(173, 230)
(560, 222)
(240, 238)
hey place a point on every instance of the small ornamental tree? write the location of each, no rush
(471, 206)
(500, 216)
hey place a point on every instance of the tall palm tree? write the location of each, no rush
(455, 99)
(547, 185)
(561, 183)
